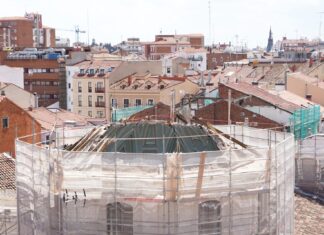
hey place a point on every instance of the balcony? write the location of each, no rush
(100, 90)
(100, 104)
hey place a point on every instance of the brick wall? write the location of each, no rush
(20, 124)
(217, 113)
(218, 59)
(197, 42)
(223, 93)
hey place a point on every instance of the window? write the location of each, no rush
(90, 113)
(81, 71)
(209, 221)
(150, 102)
(114, 103)
(99, 84)
(90, 101)
(80, 100)
(138, 102)
(100, 114)
(79, 87)
(102, 71)
(5, 122)
(89, 87)
(79, 112)
(126, 103)
(119, 218)
(92, 72)
(69, 85)
(168, 70)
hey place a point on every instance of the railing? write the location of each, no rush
(100, 104)
(99, 89)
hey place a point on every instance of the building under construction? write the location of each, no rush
(153, 177)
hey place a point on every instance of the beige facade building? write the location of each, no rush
(146, 89)
(89, 85)
(305, 86)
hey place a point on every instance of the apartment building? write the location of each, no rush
(44, 74)
(146, 89)
(166, 44)
(16, 32)
(89, 84)
(27, 31)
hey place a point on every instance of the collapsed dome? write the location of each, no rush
(148, 137)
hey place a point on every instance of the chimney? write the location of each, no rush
(3, 93)
(36, 100)
(129, 80)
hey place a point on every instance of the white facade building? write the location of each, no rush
(70, 71)
(12, 75)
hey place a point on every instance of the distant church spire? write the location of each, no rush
(270, 41)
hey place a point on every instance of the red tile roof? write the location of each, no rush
(7, 172)
(263, 95)
(49, 119)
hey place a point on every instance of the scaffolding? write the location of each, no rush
(232, 191)
(305, 121)
(310, 165)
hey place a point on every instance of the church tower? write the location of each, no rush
(270, 41)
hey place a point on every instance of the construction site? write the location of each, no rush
(154, 177)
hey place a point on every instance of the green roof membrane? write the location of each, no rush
(154, 137)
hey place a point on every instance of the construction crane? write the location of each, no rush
(77, 32)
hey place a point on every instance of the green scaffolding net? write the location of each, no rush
(123, 113)
(305, 121)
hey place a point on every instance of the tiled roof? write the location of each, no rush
(293, 98)
(314, 81)
(48, 119)
(7, 172)
(96, 64)
(160, 111)
(263, 95)
(309, 217)
(146, 83)
(14, 18)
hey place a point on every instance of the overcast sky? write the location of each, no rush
(113, 20)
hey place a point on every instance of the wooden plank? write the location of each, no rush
(200, 174)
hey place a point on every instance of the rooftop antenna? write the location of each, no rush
(320, 25)
(88, 26)
(209, 22)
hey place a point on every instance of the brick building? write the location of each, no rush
(15, 122)
(166, 44)
(27, 31)
(215, 59)
(44, 74)
(217, 114)
(16, 32)
(259, 101)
